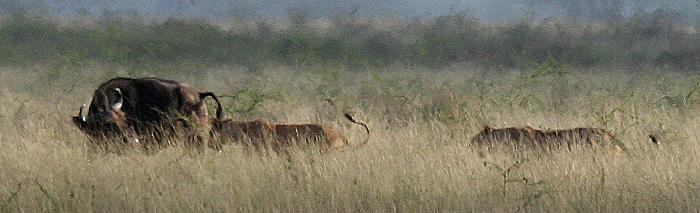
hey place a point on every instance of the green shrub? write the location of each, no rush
(434, 42)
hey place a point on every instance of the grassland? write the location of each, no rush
(418, 158)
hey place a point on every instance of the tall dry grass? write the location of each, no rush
(418, 158)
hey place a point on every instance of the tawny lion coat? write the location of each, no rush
(531, 137)
(261, 135)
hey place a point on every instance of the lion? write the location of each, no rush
(261, 135)
(529, 137)
(578, 136)
(511, 135)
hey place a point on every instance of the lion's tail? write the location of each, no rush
(352, 119)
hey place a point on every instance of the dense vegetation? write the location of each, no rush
(418, 158)
(424, 87)
(647, 39)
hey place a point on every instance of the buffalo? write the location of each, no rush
(260, 135)
(146, 107)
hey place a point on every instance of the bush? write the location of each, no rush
(647, 39)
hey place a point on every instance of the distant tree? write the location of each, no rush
(11, 7)
(574, 8)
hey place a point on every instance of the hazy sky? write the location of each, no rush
(483, 9)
